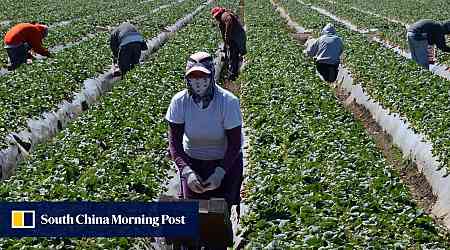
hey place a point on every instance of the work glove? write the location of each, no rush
(193, 180)
(214, 181)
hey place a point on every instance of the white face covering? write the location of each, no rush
(200, 85)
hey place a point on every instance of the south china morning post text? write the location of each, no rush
(99, 219)
(115, 219)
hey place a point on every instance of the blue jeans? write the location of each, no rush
(419, 49)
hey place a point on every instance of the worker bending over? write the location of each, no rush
(126, 44)
(326, 51)
(424, 33)
(21, 39)
(234, 39)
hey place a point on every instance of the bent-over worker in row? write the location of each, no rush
(126, 44)
(423, 33)
(21, 39)
(234, 39)
(326, 51)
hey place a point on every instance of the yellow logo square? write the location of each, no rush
(22, 219)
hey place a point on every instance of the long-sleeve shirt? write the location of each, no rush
(327, 48)
(433, 31)
(124, 34)
(33, 34)
(232, 31)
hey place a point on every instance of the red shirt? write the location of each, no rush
(29, 33)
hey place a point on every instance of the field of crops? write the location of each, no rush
(384, 19)
(315, 177)
(421, 97)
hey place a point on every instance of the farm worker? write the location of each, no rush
(326, 51)
(126, 44)
(205, 135)
(234, 38)
(22, 38)
(423, 33)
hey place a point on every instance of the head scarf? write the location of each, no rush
(201, 60)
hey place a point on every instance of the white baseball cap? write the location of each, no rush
(198, 68)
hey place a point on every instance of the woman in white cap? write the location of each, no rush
(205, 135)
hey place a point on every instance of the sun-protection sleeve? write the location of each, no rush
(234, 138)
(35, 41)
(177, 153)
(441, 42)
(114, 43)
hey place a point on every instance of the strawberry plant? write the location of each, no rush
(407, 11)
(56, 11)
(399, 84)
(116, 150)
(40, 87)
(87, 25)
(316, 180)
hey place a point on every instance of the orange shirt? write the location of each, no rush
(29, 33)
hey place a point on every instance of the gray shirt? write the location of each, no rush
(124, 34)
(327, 48)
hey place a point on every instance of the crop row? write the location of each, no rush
(56, 11)
(79, 28)
(116, 150)
(39, 87)
(315, 179)
(418, 95)
(394, 33)
(391, 31)
(83, 26)
(407, 11)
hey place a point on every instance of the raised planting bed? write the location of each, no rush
(116, 150)
(400, 85)
(316, 179)
(39, 87)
